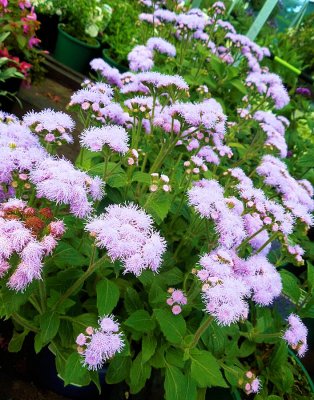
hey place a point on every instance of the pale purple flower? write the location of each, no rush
(113, 136)
(112, 75)
(50, 122)
(59, 181)
(296, 195)
(127, 234)
(207, 196)
(100, 345)
(269, 85)
(16, 238)
(141, 58)
(296, 334)
(162, 46)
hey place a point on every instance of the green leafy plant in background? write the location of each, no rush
(122, 33)
(85, 20)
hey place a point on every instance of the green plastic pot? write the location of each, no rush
(73, 52)
(112, 63)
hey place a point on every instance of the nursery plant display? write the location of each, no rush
(161, 253)
(82, 23)
(18, 18)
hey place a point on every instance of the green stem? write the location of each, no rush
(42, 294)
(24, 322)
(76, 285)
(201, 393)
(250, 237)
(200, 331)
(32, 299)
(267, 242)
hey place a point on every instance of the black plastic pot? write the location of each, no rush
(48, 31)
(11, 85)
(47, 377)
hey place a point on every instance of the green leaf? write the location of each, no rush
(74, 372)
(159, 205)
(132, 301)
(247, 348)
(237, 83)
(290, 285)
(273, 397)
(149, 344)
(157, 296)
(107, 296)
(66, 255)
(310, 275)
(117, 180)
(49, 325)
(175, 357)
(172, 277)
(177, 386)
(140, 321)
(172, 326)
(17, 341)
(139, 373)
(142, 177)
(205, 369)
(118, 370)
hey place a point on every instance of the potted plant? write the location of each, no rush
(12, 72)
(82, 22)
(48, 14)
(122, 34)
(19, 18)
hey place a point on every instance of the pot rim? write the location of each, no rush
(75, 40)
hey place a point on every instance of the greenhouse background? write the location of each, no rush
(156, 199)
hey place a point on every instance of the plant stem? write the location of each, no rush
(250, 237)
(92, 267)
(267, 242)
(42, 294)
(201, 393)
(200, 331)
(23, 322)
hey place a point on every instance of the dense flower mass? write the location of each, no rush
(99, 345)
(296, 334)
(127, 234)
(29, 233)
(207, 196)
(59, 181)
(52, 125)
(228, 281)
(113, 136)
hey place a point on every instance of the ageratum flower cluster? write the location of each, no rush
(29, 233)
(99, 345)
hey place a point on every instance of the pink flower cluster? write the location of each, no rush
(296, 334)
(99, 345)
(252, 384)
(113, 136)
(176, 300)
(274, 127)
(127, 234)
(207, 196)
(269, 85)
(52, 126)
(23, 232)
(229, 281)
(296, 195)
(59, 181)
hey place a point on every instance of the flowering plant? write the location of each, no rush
(176, 268)
(19, 19)
(52, 7)
(10, 67)
(85, 20)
